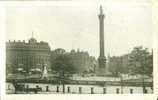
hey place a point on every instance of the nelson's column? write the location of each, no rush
(101, 59)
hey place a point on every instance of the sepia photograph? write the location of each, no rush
(100, 48)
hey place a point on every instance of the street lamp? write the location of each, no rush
(143, 85)
(121, 80)
(142, 76)
(63, 77)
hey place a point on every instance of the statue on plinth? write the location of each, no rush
(44, 72)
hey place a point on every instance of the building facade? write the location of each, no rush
(27, 56)
(81, 60)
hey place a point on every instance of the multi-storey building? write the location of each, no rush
(27, 56)
(83, 61)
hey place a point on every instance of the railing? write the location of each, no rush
(76, 89)
(81, 82)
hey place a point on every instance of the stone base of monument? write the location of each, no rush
(102, 72)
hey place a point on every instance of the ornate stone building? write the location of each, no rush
(27, 56)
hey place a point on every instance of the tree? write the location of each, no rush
(63, 66)
(63, 63)
(140, 61)
(54, 54)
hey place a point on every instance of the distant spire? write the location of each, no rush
(32, 39)
(101, 9)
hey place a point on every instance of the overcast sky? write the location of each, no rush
(77, 26)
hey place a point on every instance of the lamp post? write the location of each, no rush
(143, 85)
(121, 80)
(63, 77)
(142, 75)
